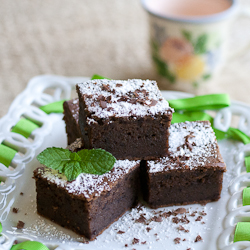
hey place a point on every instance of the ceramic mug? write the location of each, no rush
(188, 50)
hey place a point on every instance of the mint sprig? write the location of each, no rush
(93, 161)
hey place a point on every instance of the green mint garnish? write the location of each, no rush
(93, 161)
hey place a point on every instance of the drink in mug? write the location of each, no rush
(189, 39)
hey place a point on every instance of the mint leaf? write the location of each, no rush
(94, 161)
(54, 158)
(72, 170)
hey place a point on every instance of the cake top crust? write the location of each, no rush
(119, 98)
(191, 145)
(89, 185)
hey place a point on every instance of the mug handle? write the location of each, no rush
(242, 12)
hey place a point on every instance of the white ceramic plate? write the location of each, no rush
(216, 227)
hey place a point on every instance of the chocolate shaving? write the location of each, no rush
(100, 98)
(144, 242)
(198, 238)
(108, 99)
(184, 220)
(166, 214)
(105, 87)
(135, 241)
(141, 101)
(109, 108)
(153, 103)
(122, 99)
(15, 210)
(157, 219)
(103, 104)
(118, 85)
(132, 101)
(177, 240)
(141, 219)
(180, 210)
(199, 218)
(148, 229)
(176, 220)
(120, 232)
(190, 147)
(203, 213)
(20, 225)
(181, 228)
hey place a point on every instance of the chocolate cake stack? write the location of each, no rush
(167, 164)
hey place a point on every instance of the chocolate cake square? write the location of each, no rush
(191, 173)
(129, 119)
(71, 118)
(89, 204)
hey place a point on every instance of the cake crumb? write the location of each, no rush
(148, 229)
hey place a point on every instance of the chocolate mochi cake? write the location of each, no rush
(91, 203)
(129, 119)
(191, 173)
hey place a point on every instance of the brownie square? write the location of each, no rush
(129, 119)
(71, 118)
(89, 204)
(191, 173)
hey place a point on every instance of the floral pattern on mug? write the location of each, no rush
(183, 58)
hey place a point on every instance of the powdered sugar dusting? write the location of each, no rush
(191, 144)
(88, 184)
(106, 98)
